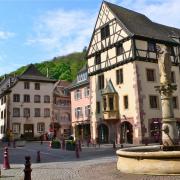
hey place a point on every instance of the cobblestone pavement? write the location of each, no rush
(94, 163)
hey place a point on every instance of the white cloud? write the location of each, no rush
(6, 35)
(62, 31)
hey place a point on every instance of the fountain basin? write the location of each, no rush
(148, 160)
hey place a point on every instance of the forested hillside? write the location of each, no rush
(63, 67)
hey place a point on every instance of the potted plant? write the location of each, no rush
(55, 144)
(70, 145)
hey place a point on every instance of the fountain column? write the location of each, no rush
(169, 129)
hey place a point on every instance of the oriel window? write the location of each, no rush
(111, 103)
(105, 32)
(104, 103)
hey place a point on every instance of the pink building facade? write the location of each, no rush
(80, 106)
(62, 110)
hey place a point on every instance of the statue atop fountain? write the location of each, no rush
(169, 129)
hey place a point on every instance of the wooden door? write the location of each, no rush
(29, 130)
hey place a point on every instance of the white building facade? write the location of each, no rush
(26, 105)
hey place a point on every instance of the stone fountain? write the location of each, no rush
(161, 159)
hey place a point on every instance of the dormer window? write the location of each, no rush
(105, 32)
(98, 58)
(151, 46)
(82, 77)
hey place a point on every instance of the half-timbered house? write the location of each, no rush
(123, 70)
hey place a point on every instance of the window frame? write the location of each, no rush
(16, 97)
(37, 86)
(26, 85)
(176, 105)
(98, 107)
(101, 82)
(26, 98)
(119, 49)
(151, 75)
(39, 127)
(18, 112)
(126, 101)
(37, 98)
(47, 112)
(37, 113)
(157, 102)
(119, 76)
(105, 32)
(26, 112)
(97, 58)
(151, 46)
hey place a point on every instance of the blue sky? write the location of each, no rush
(35, 30)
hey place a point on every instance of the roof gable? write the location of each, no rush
(139, 24)
(31, 70)
(32, 74)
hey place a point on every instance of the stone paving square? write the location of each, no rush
(56, 164)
